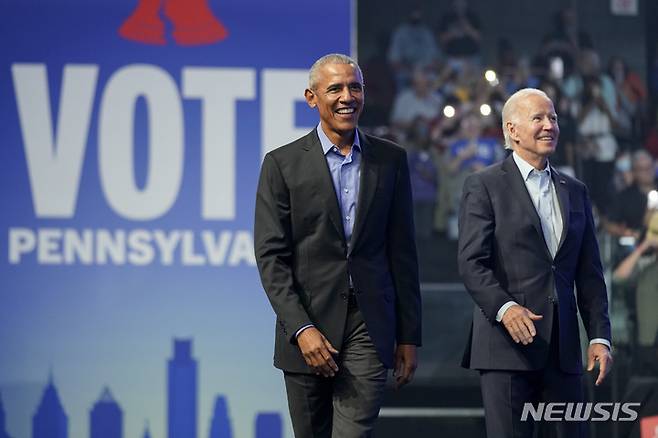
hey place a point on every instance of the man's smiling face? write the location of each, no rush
(535, 129)
(338, 94)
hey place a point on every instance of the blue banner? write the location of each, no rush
(132, 136)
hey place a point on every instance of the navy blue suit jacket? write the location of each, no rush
(503, 257)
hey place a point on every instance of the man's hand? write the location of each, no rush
(317, 352)
(405, 364)
(601, 354)
(518, 322)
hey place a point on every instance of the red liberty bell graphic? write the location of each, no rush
(193, 21)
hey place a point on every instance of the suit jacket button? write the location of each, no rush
(343, 295)
(553, 268)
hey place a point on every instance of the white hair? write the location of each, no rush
(511, 107)
(332, 58)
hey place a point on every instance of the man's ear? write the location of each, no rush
(309, 95)
(511, 131)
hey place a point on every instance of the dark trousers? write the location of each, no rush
(346, 405)
(505, 392)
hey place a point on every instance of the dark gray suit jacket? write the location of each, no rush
(303, 258)
(503, 257)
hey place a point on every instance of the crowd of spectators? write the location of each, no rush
(446, 112)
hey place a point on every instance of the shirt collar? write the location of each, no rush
(327, 144)
(526, 168)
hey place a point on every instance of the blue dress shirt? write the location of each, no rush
(345, 173)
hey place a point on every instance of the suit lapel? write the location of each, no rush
(514, 180)
(562, 190)
(367, 187)
(317, 166)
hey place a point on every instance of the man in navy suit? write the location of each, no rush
(334, 241)
(526, 238)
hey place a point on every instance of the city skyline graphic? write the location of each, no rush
(50, 419)
(106, 417)
(3, 430)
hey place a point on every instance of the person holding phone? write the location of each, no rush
(638, 273)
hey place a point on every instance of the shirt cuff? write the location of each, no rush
(302, 329)
(601, 341)
(503, 309)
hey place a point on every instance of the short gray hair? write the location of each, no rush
(332, 58)
(511, 106)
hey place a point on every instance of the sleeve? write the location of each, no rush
(503, 309)
(476, 248)
(601, 341)
(591, 291)
(403, 259)
(274, 250)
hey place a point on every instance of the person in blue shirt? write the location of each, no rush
(335, 249)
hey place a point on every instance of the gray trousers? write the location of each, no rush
(346, 405)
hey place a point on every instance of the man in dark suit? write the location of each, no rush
(335, 249)
(526, 237)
